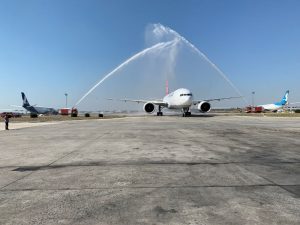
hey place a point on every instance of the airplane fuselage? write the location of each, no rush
(180, 99)
(271, 107)
(41, 110)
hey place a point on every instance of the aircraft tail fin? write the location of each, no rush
(285, 98)
(167, 87)
(25, 101)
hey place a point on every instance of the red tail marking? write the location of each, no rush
(167, 87)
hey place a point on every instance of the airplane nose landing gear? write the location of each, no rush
(186, 112)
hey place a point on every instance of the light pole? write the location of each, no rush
(253, 93)
(66, 94)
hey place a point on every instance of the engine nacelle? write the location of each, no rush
(204, 107)
(149, 107)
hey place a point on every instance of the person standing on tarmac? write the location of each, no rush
(6, 120)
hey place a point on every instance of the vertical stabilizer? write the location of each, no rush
(25, 101)
(167, 87)
(285, 99)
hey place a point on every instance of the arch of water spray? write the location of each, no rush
(171, 39)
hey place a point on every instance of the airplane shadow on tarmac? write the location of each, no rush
(194, 115)
(202, 115)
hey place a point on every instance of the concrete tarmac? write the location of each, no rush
(152, 170)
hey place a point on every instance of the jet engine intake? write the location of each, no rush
(204, 107)
(149, 107)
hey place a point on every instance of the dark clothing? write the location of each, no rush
(6, 120)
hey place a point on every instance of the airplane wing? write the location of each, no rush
(14, 111)
(17, 106)
(195, 102)
(155, 102)
(7, 109)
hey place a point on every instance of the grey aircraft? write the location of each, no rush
(38, 110)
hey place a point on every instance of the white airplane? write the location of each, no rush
(181, 99)
(278, 105)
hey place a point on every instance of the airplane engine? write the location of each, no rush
(149, 107)
(204, 107)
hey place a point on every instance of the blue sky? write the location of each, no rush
(48, 47)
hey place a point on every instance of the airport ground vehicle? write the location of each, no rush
(74, 112)
(64, 111)
(254, 109)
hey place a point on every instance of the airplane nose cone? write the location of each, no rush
(188, 100)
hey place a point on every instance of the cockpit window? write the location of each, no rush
(186, 94)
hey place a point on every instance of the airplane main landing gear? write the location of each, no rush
(159, 113)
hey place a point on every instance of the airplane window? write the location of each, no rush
(186, 95)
